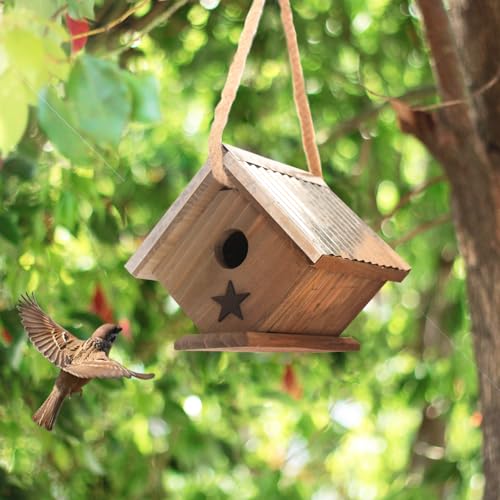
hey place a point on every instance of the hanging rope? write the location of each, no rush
(233, 81)
(299, 92)
(228, 95)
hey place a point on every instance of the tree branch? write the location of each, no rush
(449, 133)
(372, 112)
(103, 11)
(448, 71)
(409, 196)
(164, 16)
(443, 219)
(476, 24)
(140, 23)
(110, 25)
(447, 67)
(115, 21)
(155, 21)
(476, 93)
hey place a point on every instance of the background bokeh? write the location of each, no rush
(97, 142)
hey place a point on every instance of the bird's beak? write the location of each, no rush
(118, 329)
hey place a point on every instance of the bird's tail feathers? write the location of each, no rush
(142, 376)
(46, 415)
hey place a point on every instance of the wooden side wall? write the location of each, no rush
(322, 302)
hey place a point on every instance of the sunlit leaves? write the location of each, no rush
(387, 196)
(29, 59)
(25, 53)
(44, 9)
(14, 116)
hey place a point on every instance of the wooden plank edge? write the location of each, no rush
(137, 265)
(237, 155)
(248, 187)
(270, 164)
(265, 342)
(336, 264)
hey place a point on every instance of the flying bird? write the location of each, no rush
(79, 360)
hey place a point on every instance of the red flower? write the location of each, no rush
(290, 383)
(476, 419)
(100, 306)
(76, 27)
(126, 330)
(6, 336)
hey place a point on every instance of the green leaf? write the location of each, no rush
(145, 97)
(28, 61)
(59, 66)
(14, 111)
(66, 213)
(10, 320)
(442, 470)
(79, 9)
(101, 98)
(27, 57)
(58, 120)
(8, 228)
(45, 9)
(105, 227)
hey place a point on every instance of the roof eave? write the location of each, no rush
(367, 270)
(198, 193)
(246, 186)
(391, 268)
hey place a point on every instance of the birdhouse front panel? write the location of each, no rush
(233, 268)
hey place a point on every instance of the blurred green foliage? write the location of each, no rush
(95, 146)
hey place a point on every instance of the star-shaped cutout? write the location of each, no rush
(230, 303)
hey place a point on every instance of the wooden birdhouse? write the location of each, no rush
(275, 263)
(260, 255)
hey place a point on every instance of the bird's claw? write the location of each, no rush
(79, 392)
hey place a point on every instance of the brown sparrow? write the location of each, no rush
(79, 360)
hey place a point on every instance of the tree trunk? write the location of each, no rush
(464, 136)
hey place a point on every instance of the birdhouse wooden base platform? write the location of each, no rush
(265, 342)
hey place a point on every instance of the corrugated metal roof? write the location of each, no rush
(313, 217)
(310, 212)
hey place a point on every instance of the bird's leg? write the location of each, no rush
(76, 390)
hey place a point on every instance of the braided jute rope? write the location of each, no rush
(233, 81)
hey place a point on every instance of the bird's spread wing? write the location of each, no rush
(51, 339)
(98, 365)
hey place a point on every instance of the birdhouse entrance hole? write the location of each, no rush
(232, 249)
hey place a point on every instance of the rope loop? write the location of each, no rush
(233, 81)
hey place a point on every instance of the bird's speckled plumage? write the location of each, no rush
(79, 360)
